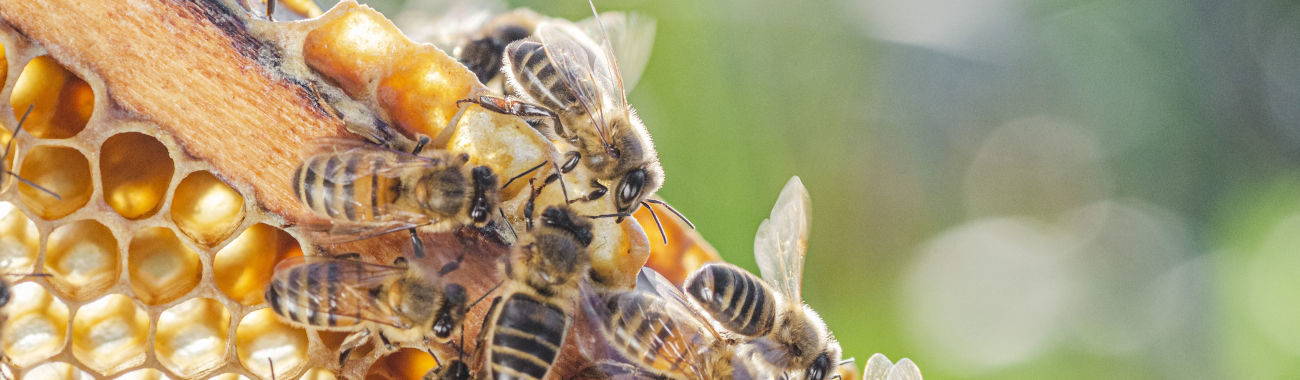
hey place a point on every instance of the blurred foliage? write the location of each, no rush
(1153, 147)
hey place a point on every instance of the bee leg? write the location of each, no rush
(599, 192)
(351, 342)
(452, 266)
(270, 10)
(518, 108)
(419, 145)
(348, 256)
(570, 161)
(528, 207)
(416, 243)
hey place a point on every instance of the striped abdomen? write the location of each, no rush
(349, 186)
(311, 295)
(537, 76)
(526, 338)
(654, 335)
(738, 300)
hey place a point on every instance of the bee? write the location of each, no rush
(399, 302)
(367, 190)
(560, 74)
(652, 332)
(5, 173)
(522, 334)
(783, 334)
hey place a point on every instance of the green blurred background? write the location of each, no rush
(1002, 188)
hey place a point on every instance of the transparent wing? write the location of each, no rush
(338, 232)
(905, 369)
(341, 288)
(631, 37)
(643, 331)
(651, 282)
(585, 69)
(346, 148)
(782, 240)
(444, 23)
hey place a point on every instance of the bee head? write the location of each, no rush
(485, 194)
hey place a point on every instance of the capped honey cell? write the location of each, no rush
(63, 171)
(82, 259)
(261, 335)
(36, 325)
(57, 371)
(108, 335)
(19, 240)
(244, 266)
(136, 170)
(161, 267)
(191, 336)
(61, 102)
(206, 209)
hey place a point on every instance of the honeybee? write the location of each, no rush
(652, 332)
(522, 334)
(783, 334)
(367, 190)
(398, 302)
(477, 32)
(6, 174)
(560, 74)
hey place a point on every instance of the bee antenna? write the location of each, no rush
(560, 176)
(507, 221)
(485, 294)
(622, 215)
(268, 358)
(837, 376)
(10, 146)
(847, 361)
(656, 218)
(512, 179)
(670, 208)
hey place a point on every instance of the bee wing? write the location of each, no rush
(444, 23)
(650, 281)
(347, 284)
(586, 70)
(337, 232)
(782, 239)
(631, 36)
(677, 348)
(344, 147)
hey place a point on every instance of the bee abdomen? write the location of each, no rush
(527, 338)
(334, 185)
(642, 331)
(733, 297)
(308, 295)
(533, 71)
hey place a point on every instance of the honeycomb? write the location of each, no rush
(169, 137)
